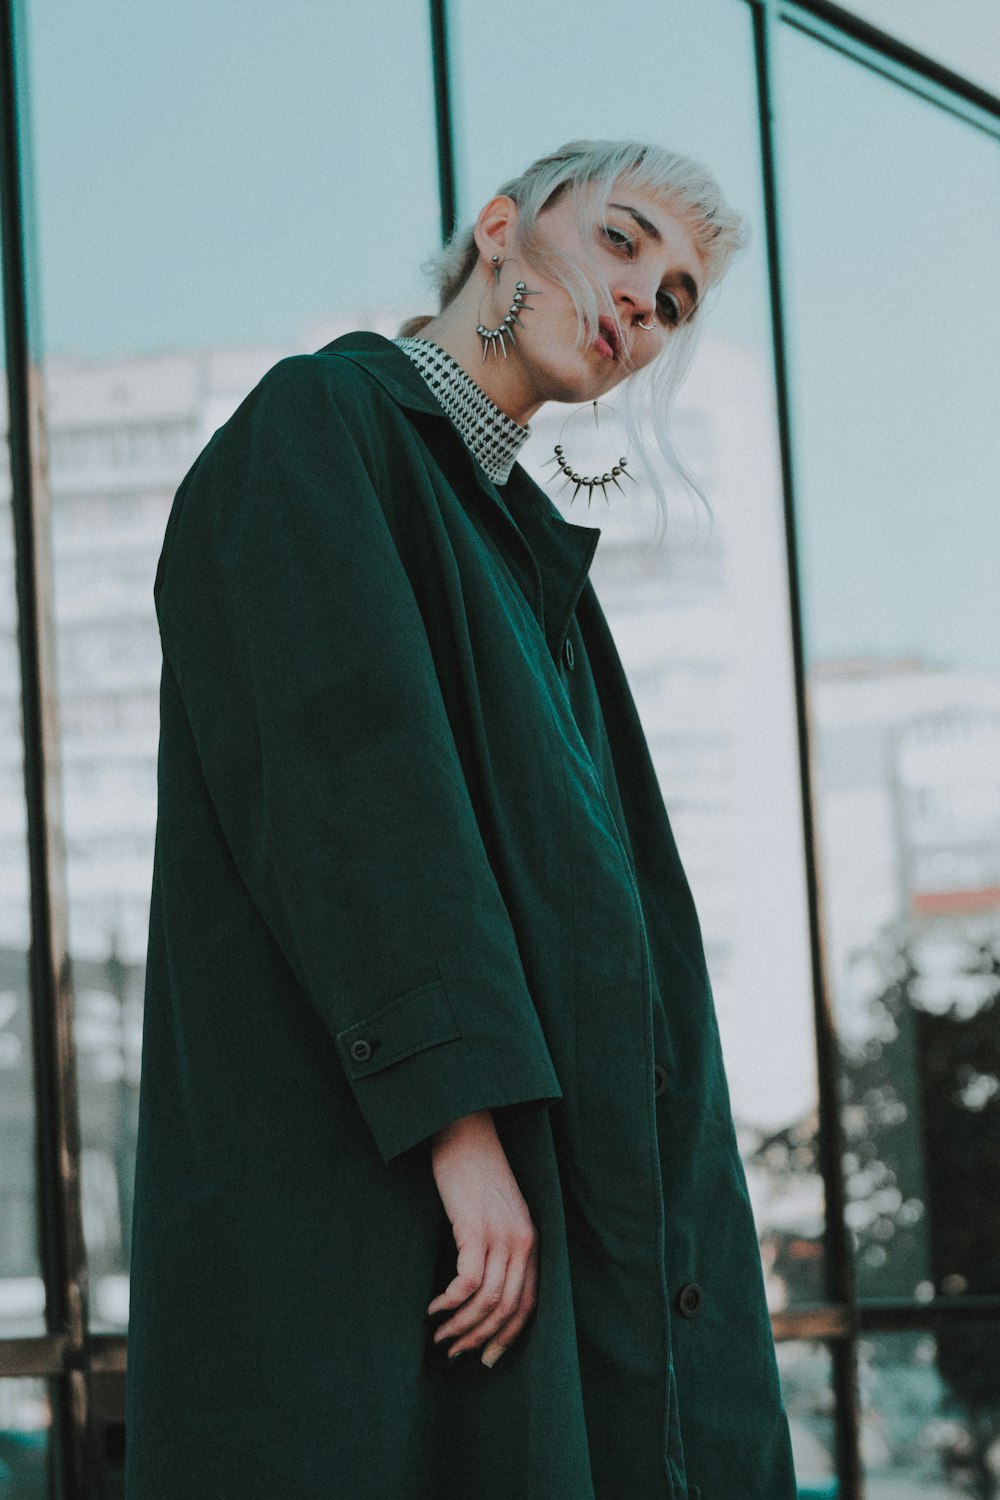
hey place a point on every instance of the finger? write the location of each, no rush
(470, 1267)
(510, 1300)
(506, 1335)
(482, 1302)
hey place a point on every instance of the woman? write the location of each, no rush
(431, 1065)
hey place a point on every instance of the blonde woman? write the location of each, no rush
(438, 1195)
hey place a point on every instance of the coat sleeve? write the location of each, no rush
(293, 629)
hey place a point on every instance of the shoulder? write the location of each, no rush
(324, 379)
(308, 409)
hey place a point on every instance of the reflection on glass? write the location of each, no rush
(931, 1414)
(165, 302)
(701, 623)
(898, 446)
(805, 1370)
(25, 1418)
(22, 1293)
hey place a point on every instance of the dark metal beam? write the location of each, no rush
(839, 1264)
(57, 1130)
(443, 117)
(850, 27)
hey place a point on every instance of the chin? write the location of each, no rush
(580, 384)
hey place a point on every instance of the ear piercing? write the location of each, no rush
(491, 337)
(650, 327)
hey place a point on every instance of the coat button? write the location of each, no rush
(361, 1051)
(568, 653)
(689, 1299)
(661, 1079)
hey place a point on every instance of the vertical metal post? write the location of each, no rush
(56, 1112)
(839, 1255)
(442, 118)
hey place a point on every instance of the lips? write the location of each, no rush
(608, 334)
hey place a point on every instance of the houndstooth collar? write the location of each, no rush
(493, 437)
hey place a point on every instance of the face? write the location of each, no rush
(655, 276)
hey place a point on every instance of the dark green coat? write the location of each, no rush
(412, 861)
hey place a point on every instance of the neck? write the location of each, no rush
(505, 381)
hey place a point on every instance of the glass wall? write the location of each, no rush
(893, 310)
(893, 321)
(702, 624)
(931, 1413)
(210, 196)
(224, 206)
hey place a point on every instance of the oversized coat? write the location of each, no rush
(412, 861)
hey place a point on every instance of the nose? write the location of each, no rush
(635, 303)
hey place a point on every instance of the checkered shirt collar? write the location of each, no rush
(491, 435)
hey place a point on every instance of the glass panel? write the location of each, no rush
(22, 1292)
(178, 264)
(931, 1413)
(701, 623)
(25, 1418)
(806, 1385)
(892, 233)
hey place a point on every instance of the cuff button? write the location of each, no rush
(361, 1051)
(661, 1079)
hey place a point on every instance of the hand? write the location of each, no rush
(497, 1273)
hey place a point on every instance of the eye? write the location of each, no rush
(618, 237)
(670, 308)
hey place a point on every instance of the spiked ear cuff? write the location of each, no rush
(491, 337)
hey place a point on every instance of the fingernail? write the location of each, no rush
(492, 1353)
(454, 1354)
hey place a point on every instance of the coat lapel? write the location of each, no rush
(550, 555)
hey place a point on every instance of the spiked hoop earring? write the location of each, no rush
(591, 482)
(491, 337)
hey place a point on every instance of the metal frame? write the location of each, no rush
(838, 1260)
(68, 1354)
(62, 1353)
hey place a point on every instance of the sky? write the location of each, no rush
(213, 172)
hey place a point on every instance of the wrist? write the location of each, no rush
(466, 1127)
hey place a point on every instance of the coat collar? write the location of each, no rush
(551, 555)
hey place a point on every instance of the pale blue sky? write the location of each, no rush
(214, 172)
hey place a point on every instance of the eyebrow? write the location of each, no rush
(686, 281)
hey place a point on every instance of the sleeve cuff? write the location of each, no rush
(413, 1070)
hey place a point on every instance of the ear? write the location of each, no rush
(495, 226)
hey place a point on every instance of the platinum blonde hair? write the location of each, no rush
(588, 170)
